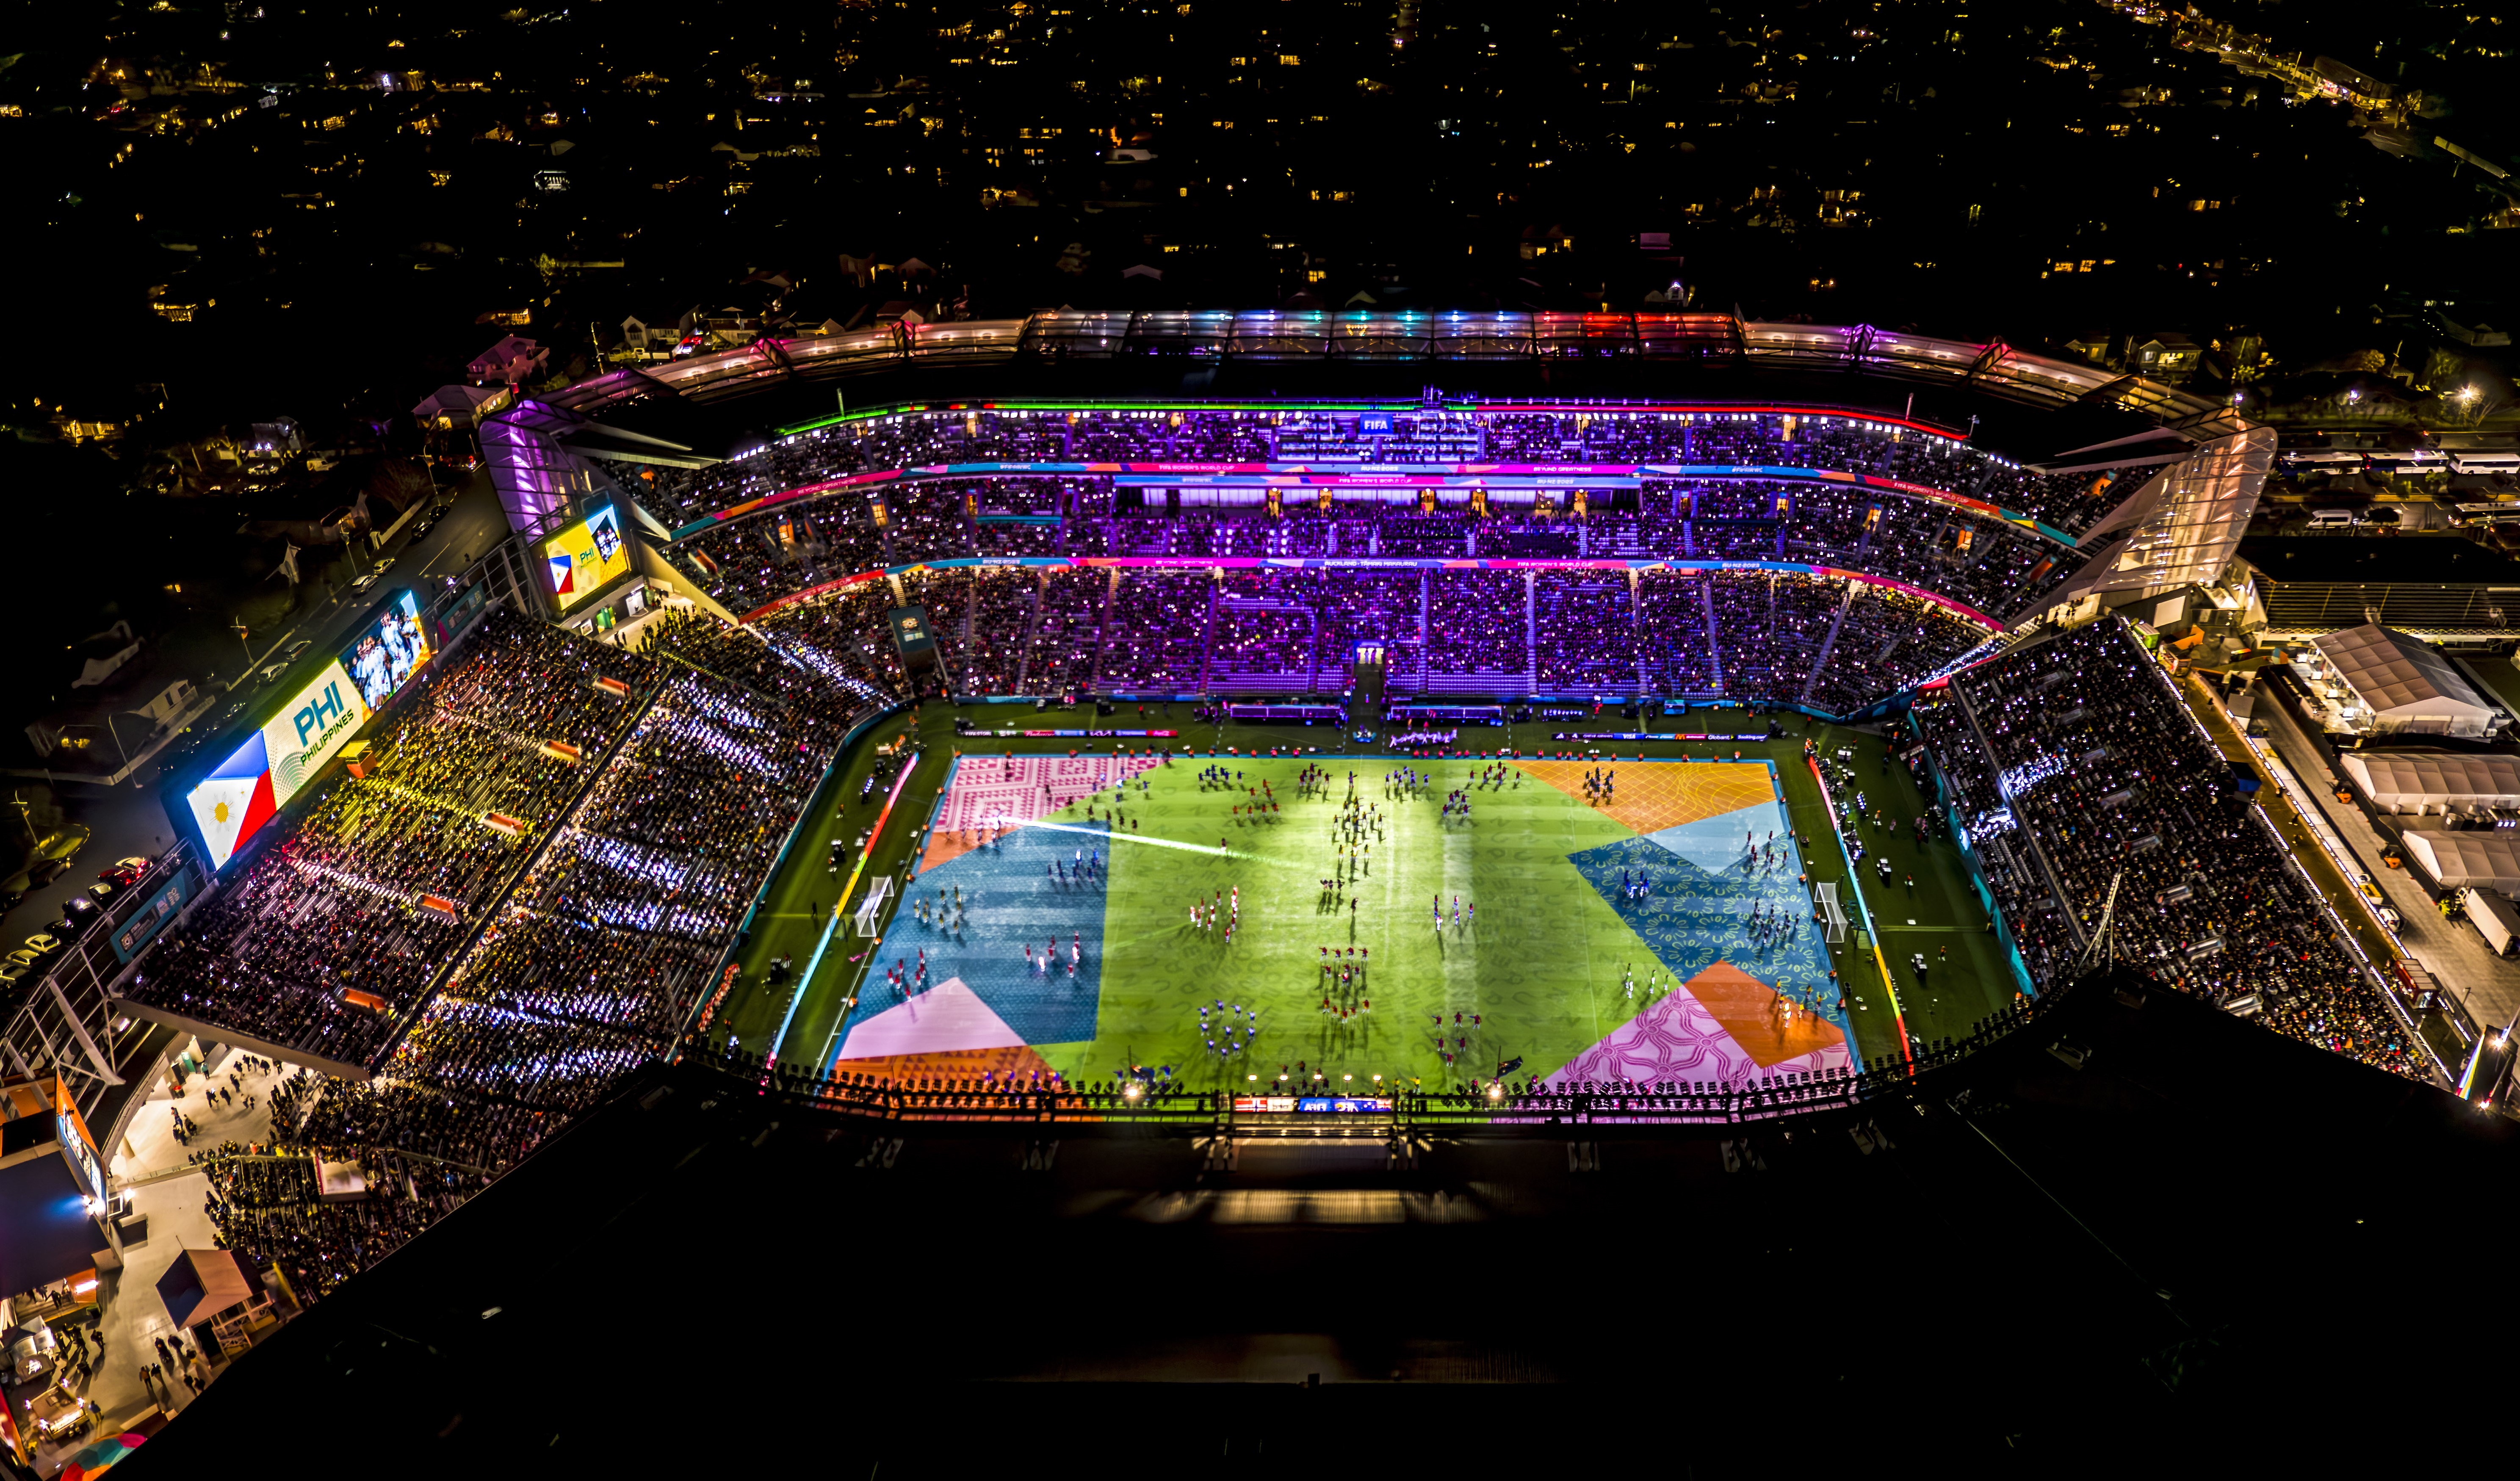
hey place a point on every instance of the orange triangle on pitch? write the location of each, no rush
(1755, 1017)
(1016, 1062)
(947, 844)
(1652, 795)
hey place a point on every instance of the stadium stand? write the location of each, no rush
(319, 944)
(593, 963)
(2073, 761)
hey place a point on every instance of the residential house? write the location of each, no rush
(2093, 345)
(509, 362)
(657, 338)
(2169, 357)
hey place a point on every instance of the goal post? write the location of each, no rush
(1832, 915)
(868, 917)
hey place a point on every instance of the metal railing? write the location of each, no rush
(1539, 1108)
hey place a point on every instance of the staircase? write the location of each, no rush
(1714, 645)
(1820, 663)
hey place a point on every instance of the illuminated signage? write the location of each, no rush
(255, 782)
(911, 632)
(582, 557)
(390, 648)
(71, 1127)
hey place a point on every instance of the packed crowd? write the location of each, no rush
(1155, 636)
(592, 966)
(2072, 762)
(2070, 502)
(321, 941)
(268, 1209)
(843, 639)
(1824, 641)
(1967, 555)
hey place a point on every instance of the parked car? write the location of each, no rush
(20, 959)
(64, 844)
(103, 890)
(381, 567)
(39, 943)
(71, 926)
(299, 647)
(46, 871)
(364, 582)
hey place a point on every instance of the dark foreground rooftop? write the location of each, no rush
(2203, 1233)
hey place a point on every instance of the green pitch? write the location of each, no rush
(1302, 912)
(1542, 969)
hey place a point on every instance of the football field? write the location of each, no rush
(1251, 923)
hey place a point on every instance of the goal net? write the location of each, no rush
(1832, 915)
(870, 910)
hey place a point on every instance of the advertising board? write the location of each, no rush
(586, 554)
(255, 782)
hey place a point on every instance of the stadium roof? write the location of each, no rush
(2419, 781)
(2403, 679)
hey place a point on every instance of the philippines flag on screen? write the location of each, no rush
(564, 575)
(233, 801)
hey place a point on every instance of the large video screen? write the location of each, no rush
(388, 651)
(585, 556)
(252, 785)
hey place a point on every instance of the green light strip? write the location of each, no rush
(914, 408)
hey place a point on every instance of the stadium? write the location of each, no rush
(1334, 775)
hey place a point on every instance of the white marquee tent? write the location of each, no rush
(2402, 682)
(2433, 782)
(2484, 858)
